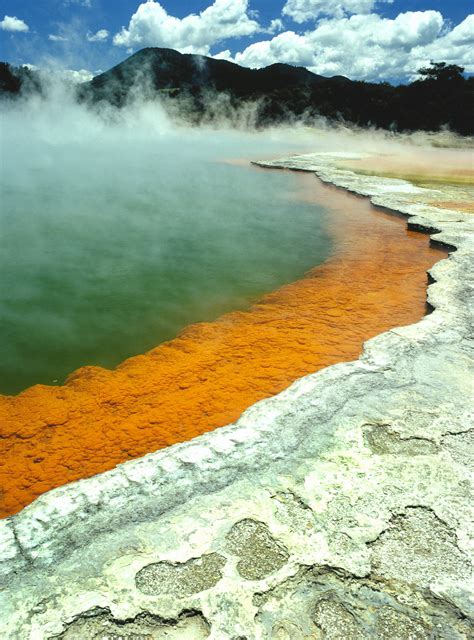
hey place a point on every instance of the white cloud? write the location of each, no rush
(304, 10)
(56, 38)
(454, 47)
(408, 30)
(368, 47)
(464, 32)
(71, 75)
(99, 36)
(224, 55)
(275, 26)
(151, 25)
(288, 47)
(11, 23)
(76, 76)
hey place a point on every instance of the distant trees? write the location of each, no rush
(442, 97)
(442, 72)
(9, 81)
(15, 79)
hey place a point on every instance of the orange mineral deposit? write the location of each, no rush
(207, 376)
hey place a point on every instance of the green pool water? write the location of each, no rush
(112, 240)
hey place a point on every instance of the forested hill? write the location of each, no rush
(443, 97)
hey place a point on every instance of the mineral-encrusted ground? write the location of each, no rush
(339, 509)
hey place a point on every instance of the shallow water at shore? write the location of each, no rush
(205, 378)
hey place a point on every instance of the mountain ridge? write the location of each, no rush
(170, 69)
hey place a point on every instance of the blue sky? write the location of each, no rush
(362, 39)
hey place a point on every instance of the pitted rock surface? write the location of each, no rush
(393, 625)
(420, 549)
(384, 441)
(335, 621)
(181, 579)
(341, 506)
(461, 447)
(102, 626)
(291, 509)
(258, 552)
(329, 604)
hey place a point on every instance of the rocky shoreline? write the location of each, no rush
(340, 507)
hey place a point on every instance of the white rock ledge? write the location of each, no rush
(338, 509)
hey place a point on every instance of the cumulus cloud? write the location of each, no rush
(224, 55)
(368, 47)
(99, 36)
(12, 23)
(288, 47)
(151, 25)
(304, 10)
(464, 32)
(454, 47)
(76, 75)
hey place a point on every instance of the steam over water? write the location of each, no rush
(118, 229)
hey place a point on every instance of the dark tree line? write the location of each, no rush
(442, 97)
(14, 80)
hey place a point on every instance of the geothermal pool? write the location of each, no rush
(119, 231)
(108, 249)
